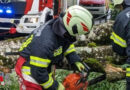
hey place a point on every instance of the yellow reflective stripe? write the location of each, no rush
(128, 74)
(127, 69)
(40, 59)
(118, 40)
(49, 82)
(25, 67)
(70, 50)
(26, 43)
(58, 51)
(40, 62)
(26, 70)
(66, 53)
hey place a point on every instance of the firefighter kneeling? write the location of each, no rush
(47, 45)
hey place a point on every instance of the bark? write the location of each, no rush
(10, 45)
(100, 34)
(100, 58)
(114, 73)
(101, 53)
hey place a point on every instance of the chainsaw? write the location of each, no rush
(79, 81)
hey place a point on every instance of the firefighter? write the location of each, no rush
(47, 45)
(121, 35)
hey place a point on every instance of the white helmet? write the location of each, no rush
(77, 20)
(117, 2)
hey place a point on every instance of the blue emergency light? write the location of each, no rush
(1, 10)
(6, 11)
(9, 11)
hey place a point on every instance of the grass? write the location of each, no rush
(11, 83)
(61, 74)
(106, 85)
(103, 85)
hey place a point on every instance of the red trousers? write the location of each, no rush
(24, 84)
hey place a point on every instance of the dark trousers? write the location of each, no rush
(128, 85)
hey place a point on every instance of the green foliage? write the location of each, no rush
(8, 62)
(106, 85)
(61, 74)
(94, 64)
(111, 6)
(103, 85)
(115, 11)
(109, 59)
(113, 60)
(92, 44)
(11, 84)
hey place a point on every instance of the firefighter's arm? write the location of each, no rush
(73, 58)
(40, 62)
(127, 64)
(128, 43)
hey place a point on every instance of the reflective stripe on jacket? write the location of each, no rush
(26, 72)
(118, 40)
(127, 72)
(44, 48)
(121, 33)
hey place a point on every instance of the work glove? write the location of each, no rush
(61, 87)
(125, 66)
(80, 66)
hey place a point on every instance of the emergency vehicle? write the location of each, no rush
(97, 7)
(10, 14)
(23, 16)
(38, 12)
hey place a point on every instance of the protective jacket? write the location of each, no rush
(44, 47)
(121, 39)
(121, 34)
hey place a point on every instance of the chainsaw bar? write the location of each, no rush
(11, 53)
(97, 79)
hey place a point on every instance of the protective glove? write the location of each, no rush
(125, 66)
(80, 66)
(61, 87)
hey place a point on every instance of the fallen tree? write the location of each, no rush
(94, 49)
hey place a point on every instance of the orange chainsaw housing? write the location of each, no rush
(71, 80)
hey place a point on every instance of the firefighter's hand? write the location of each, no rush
(125, 66)
(80, 66)
(61, 87)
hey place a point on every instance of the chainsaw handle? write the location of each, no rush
(87, 68)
